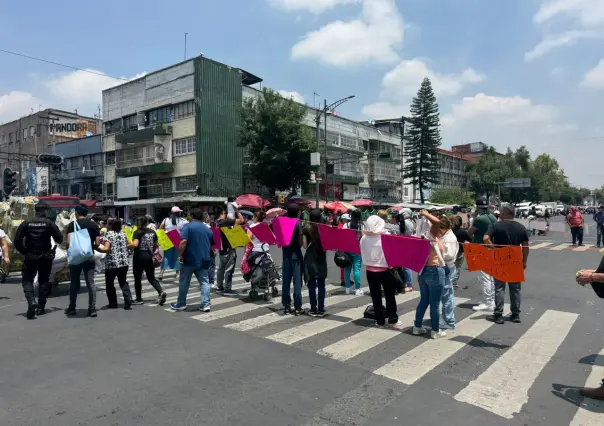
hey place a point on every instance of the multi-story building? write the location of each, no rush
(171, 131)
(40, 132)
(81, 174)
(452, 170)
(471, 152)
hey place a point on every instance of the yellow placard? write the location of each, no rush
(128, 233)
(163, 240)
(236, 236)
(134, 229)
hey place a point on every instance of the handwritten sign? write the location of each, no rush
(163, 240)
(128, 233)
(504, 264)
(236, 236)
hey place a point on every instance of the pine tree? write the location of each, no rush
(422, 140)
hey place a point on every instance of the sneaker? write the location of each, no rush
(515, 318)
(437, 334)
(92, 313)
(497, 319)
(298, 312)
(483, 307)
(213, 287)
(31, 311)
(313, 313)
(321, 314)
(376, 325)
(396, 326)
(71, 311)
(287, 310)
(219, 290)
(128, 304)
(177, 308)
(419, 331)
(230, 292)
(343, 284)
(205, 309)
(162, 298)
(40, 311)
(359, 292)
(349, 290)
(138, 302)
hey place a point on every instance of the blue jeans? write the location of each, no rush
(407, 277)
(292, 271)
(186, 273)
(313, 284)
(448, 299)
(431, 284)
(356, 269)
(212, 270)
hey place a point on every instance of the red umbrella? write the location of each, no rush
(276, 212)
(313, 205)
(362, 203)
(252, 200)
(339, 206)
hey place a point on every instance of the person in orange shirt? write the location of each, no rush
(575, 221)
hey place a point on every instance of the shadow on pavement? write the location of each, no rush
(572, 394)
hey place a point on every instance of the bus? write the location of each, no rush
(60, 202)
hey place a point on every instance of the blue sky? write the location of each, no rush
(505, 72)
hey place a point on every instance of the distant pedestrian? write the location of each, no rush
(315, 264)
(576, 223)
(144, 243)
(508, 232)
(116, 263)
(356, 224)
(195, 257)
(174, 222)
(599, 219)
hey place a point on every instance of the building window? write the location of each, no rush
(183, 110)
(184, 146)
(139, 211)
(10, 138)
(161, 115)
(96, 160)
(24, 134)
(76, 163)
(109, 189)
(113, 126)
(32, 131)
(186, 183)
(130, 123)
(110, 158)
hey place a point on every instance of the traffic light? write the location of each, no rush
(10, 182)
(281, 199)
(50, 159)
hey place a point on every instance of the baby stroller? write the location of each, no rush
(264, 276)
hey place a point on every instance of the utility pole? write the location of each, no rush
(317, 137)
(186, 34)
(402, 157)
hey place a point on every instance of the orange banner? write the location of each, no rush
(504, 264)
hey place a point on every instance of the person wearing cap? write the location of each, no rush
(575, 221)
(599, 219)
(482, 222)
(174, 222)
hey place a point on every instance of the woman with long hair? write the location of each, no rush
(115, 245)
(255, 248)
(357, 224)
(292, 267)
(144, 243)
(173, 222)
(315, 264)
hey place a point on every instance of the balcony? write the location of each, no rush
(143, 135)
(142, 167)
(85, 174)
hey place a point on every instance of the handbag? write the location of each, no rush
(342, 259)
(80, 246)
(157, 258)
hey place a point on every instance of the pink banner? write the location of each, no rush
(174, 237)
(263, 232)
(283, 227)
(408, 252)
(339, 239)
(217, 238)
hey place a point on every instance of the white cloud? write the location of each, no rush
(384, 110)
(17, 104)
(297, 97)
(584, 19)
(406, 78)
(313, 6)
(595, 76)
(374, 37)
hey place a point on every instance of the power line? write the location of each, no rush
(61, 65)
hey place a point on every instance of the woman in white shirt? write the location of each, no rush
(174, 222)
(378, 273)
(258, 247)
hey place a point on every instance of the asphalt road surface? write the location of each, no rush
(245, 364)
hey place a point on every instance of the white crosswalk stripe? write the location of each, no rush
(590, 413)
(560, 247)
(540, 245)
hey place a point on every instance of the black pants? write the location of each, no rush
(36, 264)
(600, 233)
(577, 234)
(144, 263)
(377, 281)
(121, 274)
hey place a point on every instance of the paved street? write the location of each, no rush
(245, 364)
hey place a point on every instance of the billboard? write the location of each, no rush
(37, 181)
(69, 128)
(162, 151)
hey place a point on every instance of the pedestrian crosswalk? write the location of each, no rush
(557, 246)
(501, 383)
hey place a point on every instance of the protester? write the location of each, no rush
(212, 270)
(292, 267)
(195, 256)
(86, 267)
(357, 224)
(115, 244)
(576, 222)
(227, 256)
(315, 264)
(343, 220)
(508, 232)
(392, 228)
(145, 245)
(174, 222)
(462, 237)
(482, 222)
(378, 274)
(407, 229)
(34, 239)
(599, 219)
(257, 245)
(432, 278)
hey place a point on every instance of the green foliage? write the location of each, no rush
(276, 139)
(452, 196)
(423, 140)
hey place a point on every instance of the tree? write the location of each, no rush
(491, 169)
(276, 139)
(421, 146)
(452, 195)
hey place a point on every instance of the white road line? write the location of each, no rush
(223, 313)
(581, 248)
(560, 247)
(590, 411)
(540, 245)
(213, 302)
(415, 364)
(274, 317)
(503, 388)
(367, 339)
(306, 330)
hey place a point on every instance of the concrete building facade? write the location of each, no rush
(452, 170)
(81, 174)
